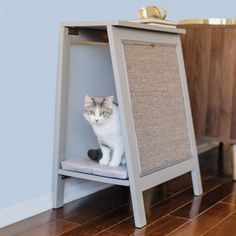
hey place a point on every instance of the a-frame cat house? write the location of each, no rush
(142, 66)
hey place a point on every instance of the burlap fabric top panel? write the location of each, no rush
(157, 104)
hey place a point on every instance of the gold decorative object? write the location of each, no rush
(152, 12)
(210, 21)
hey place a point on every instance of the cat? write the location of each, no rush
(103, 115)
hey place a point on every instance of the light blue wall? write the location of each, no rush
(28, 67)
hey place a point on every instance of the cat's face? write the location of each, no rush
(98, 110)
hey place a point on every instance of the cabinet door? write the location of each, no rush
(210, 59)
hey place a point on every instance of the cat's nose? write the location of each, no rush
(96, 120)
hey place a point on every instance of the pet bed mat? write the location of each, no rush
(88, 166)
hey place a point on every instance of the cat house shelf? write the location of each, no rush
(91, 167)
(142, 67)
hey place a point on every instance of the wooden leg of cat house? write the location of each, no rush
(234, 161)
(58, 192)
(196, 180)
(138, 207)
(196, 175)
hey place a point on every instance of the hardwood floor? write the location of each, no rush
(171, 210)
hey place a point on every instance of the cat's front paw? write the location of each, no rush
(104, 161)
(114, 163)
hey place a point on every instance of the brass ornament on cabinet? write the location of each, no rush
(152, 12)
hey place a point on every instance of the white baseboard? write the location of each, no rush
(74, 189)
(25, 210)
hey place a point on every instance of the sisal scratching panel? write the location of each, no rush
(157, 104)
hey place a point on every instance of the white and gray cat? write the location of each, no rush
(103, 115)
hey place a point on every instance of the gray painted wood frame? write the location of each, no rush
(60, 116)
(118, 31)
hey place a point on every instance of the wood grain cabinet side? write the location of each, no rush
(210, 62)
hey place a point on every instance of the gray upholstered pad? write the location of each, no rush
(88, 166)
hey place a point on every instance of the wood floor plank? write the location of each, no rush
(29, 224)
(179, 183)
(83, 210)
(117, 215)
(203, 202)
(155, 195)
(97, 207)
(83, 207)
(225, 228)
(107, 233)
(161, 227)
(156, 212)
(101, 223)
(230, 199)
(54, 228)
(201, 224)
(93, 211)
(125, 227)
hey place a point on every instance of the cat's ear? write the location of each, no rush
(109, 101)
(88, 99)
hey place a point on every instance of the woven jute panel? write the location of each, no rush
(157, 104)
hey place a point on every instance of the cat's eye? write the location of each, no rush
(104, 113)
(90, 112)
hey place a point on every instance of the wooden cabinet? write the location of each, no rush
(210, 62)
